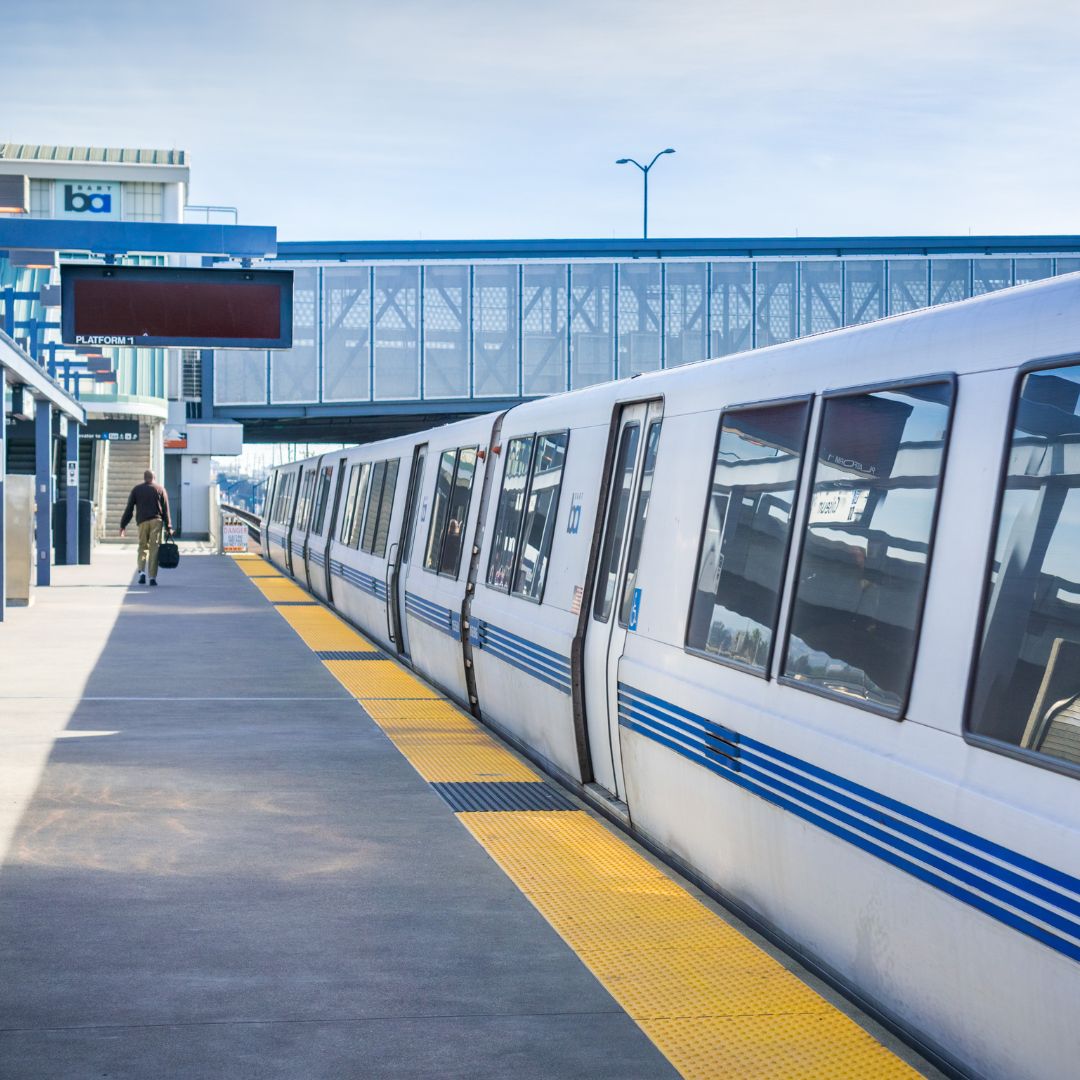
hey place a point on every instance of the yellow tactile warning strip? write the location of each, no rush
(710, 999)
(254, 566)
(713, 1002)
(377, 679)
(280, 588)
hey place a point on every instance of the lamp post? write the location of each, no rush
(645, 175)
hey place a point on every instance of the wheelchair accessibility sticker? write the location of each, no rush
(634, 609)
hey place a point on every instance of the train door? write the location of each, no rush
(311, 514)
(398, 564)
(331, 529)
(293, 496)
(612, 614)
(267, 511)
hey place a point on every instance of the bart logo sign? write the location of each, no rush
(84, 199)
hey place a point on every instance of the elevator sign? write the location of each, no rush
(86, 200)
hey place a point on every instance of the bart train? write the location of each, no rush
(805, 620)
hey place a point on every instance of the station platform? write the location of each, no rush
(238, 840)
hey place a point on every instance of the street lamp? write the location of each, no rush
(645, 175)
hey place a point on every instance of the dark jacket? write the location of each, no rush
(147, 501)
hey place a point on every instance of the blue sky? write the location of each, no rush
(357, 120)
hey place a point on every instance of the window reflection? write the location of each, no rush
(637, 531)
(859, 595)
(509, 513)
(745, 540)
(618, 509)
(457, 516)
(1027, 688)
(443, 482)
(538, 531)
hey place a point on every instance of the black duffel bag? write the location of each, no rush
(168, 555)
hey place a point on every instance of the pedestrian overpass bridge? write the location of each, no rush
(391, 337)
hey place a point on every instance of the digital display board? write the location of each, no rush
(143, 306)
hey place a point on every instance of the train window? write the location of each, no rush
(303, 508)
(357, 524)
(443, 482)
(510, 511)
(746, 535)
(449, 515)
(637, 530)
(1027, 681)
(275, 506)
(371, 520)
(461, 493)
(866, 548)
(284, 499)
(270, 497)
(618, 509)
(386, 507)
(275, 510)
(416, 482)
(541, 510)
(349, 504)
(321, 500)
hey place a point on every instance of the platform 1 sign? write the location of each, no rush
(165, 306)
(234, 535)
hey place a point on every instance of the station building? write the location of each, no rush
(137, 400)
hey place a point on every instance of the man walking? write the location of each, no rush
(150, 504)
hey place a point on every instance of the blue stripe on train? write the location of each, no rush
(928, 848)
(427, 611)
(535, 660)
(365, 582)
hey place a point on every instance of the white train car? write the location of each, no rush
(806, 621)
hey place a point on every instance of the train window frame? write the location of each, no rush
(363, 494)
(509, 590)
(285, 490)
(778, 631)
(385, 511)
(973, 738)
(898, 714)
(373, 507)
(436, 568)
(304, 503)
(530, 438)
(620, 434)
(268, 499)
(621, 602)
(323, 484)
(348, 500)
(554, 515)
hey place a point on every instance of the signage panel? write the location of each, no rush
(234, 535)
(110, 430)
(86, 200)
(178, 308)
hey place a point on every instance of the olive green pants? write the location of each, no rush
(149, 542)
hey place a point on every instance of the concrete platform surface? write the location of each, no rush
(214, 864)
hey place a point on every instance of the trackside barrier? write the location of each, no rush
(237, 527)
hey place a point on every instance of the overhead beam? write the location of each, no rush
(719, 247)
(124, 237)
(16, 367)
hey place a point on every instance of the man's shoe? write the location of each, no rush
(142, 579)
(153, 581)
